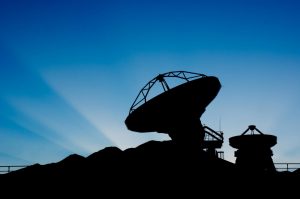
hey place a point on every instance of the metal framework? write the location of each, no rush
(142, 96)
(212, 135)
(252, 128)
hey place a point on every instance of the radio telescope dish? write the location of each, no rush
(176, 111)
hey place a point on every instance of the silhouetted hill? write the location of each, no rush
(160, 166)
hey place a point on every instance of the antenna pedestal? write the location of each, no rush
(188, 133)
(255, 159)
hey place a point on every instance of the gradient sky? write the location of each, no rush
(70, 70)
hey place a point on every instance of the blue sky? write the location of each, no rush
(69, 70)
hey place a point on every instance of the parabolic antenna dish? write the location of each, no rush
(183, 102)
(252, 140)
(255, 141)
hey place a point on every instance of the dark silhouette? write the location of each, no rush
(153, 167)
(187, 164)
(254, 151)
(177, 110)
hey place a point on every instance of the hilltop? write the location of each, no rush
(152, 165)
